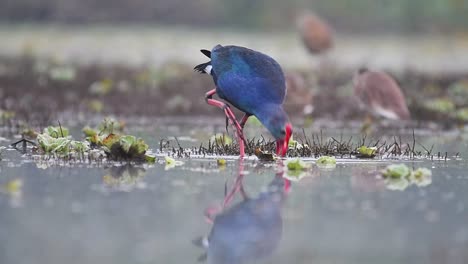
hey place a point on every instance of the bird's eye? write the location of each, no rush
(283, 132)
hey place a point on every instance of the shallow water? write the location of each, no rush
(117, 213)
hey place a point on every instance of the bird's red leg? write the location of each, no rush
(244, 120)
(230, 116)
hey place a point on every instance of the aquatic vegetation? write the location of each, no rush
(118, 146)
(367, 152)
(440, 105)
(56, 131)
(462, 114)
(221, 139)
(399, 177)
(263, 155)
(314, 146)
(396, 171)
(458, 91)
(326, 162)
(297, 164)
(6, 115)
(56, 140)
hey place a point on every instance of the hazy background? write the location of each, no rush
(443, 16)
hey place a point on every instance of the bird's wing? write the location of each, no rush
(247, 78)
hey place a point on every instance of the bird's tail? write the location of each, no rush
(204, 68)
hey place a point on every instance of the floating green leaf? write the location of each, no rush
(150, 158)
(297, 164)
(326, 162)
(396, 171)
(367, 152)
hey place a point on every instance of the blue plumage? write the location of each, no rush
(252, 82)
(246, 78)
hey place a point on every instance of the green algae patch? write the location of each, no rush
(366, 152)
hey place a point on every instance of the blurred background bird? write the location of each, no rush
(252, 82)
(315, 32)
(380, 94)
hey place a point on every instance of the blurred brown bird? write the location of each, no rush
(300, 96)
(380, 94)
(315, 32)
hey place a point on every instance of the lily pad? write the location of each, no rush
(326, 162)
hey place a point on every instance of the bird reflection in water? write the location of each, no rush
(250, 230)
